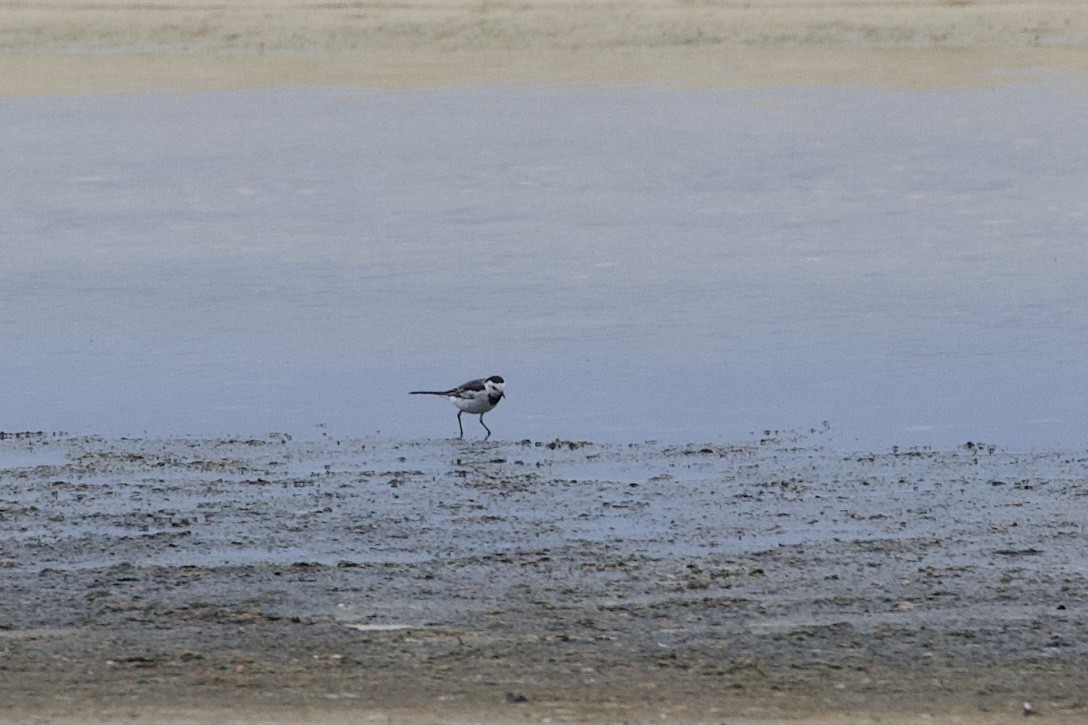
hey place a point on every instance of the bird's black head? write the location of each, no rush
(494, 386)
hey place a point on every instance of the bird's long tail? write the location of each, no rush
(427, 392)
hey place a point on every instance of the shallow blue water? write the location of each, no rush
(639, 264)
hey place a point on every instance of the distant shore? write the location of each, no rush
(86, 48)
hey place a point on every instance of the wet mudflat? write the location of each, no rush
(375, 580)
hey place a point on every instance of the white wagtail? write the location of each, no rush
(475, 396)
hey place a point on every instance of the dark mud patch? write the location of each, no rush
(516, 582)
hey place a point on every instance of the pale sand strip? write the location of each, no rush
(94, 46)
(56, 74)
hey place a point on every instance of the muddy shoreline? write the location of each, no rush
(282, 580)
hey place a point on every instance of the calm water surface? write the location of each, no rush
(639, 264)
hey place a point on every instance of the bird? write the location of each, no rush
(476, 396)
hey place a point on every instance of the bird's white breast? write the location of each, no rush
(472, 401)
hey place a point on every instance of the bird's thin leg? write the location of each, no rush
(485, 427)
(459, 426)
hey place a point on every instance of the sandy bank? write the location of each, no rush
(89, 47)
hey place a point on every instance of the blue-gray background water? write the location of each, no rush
(637, 263)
